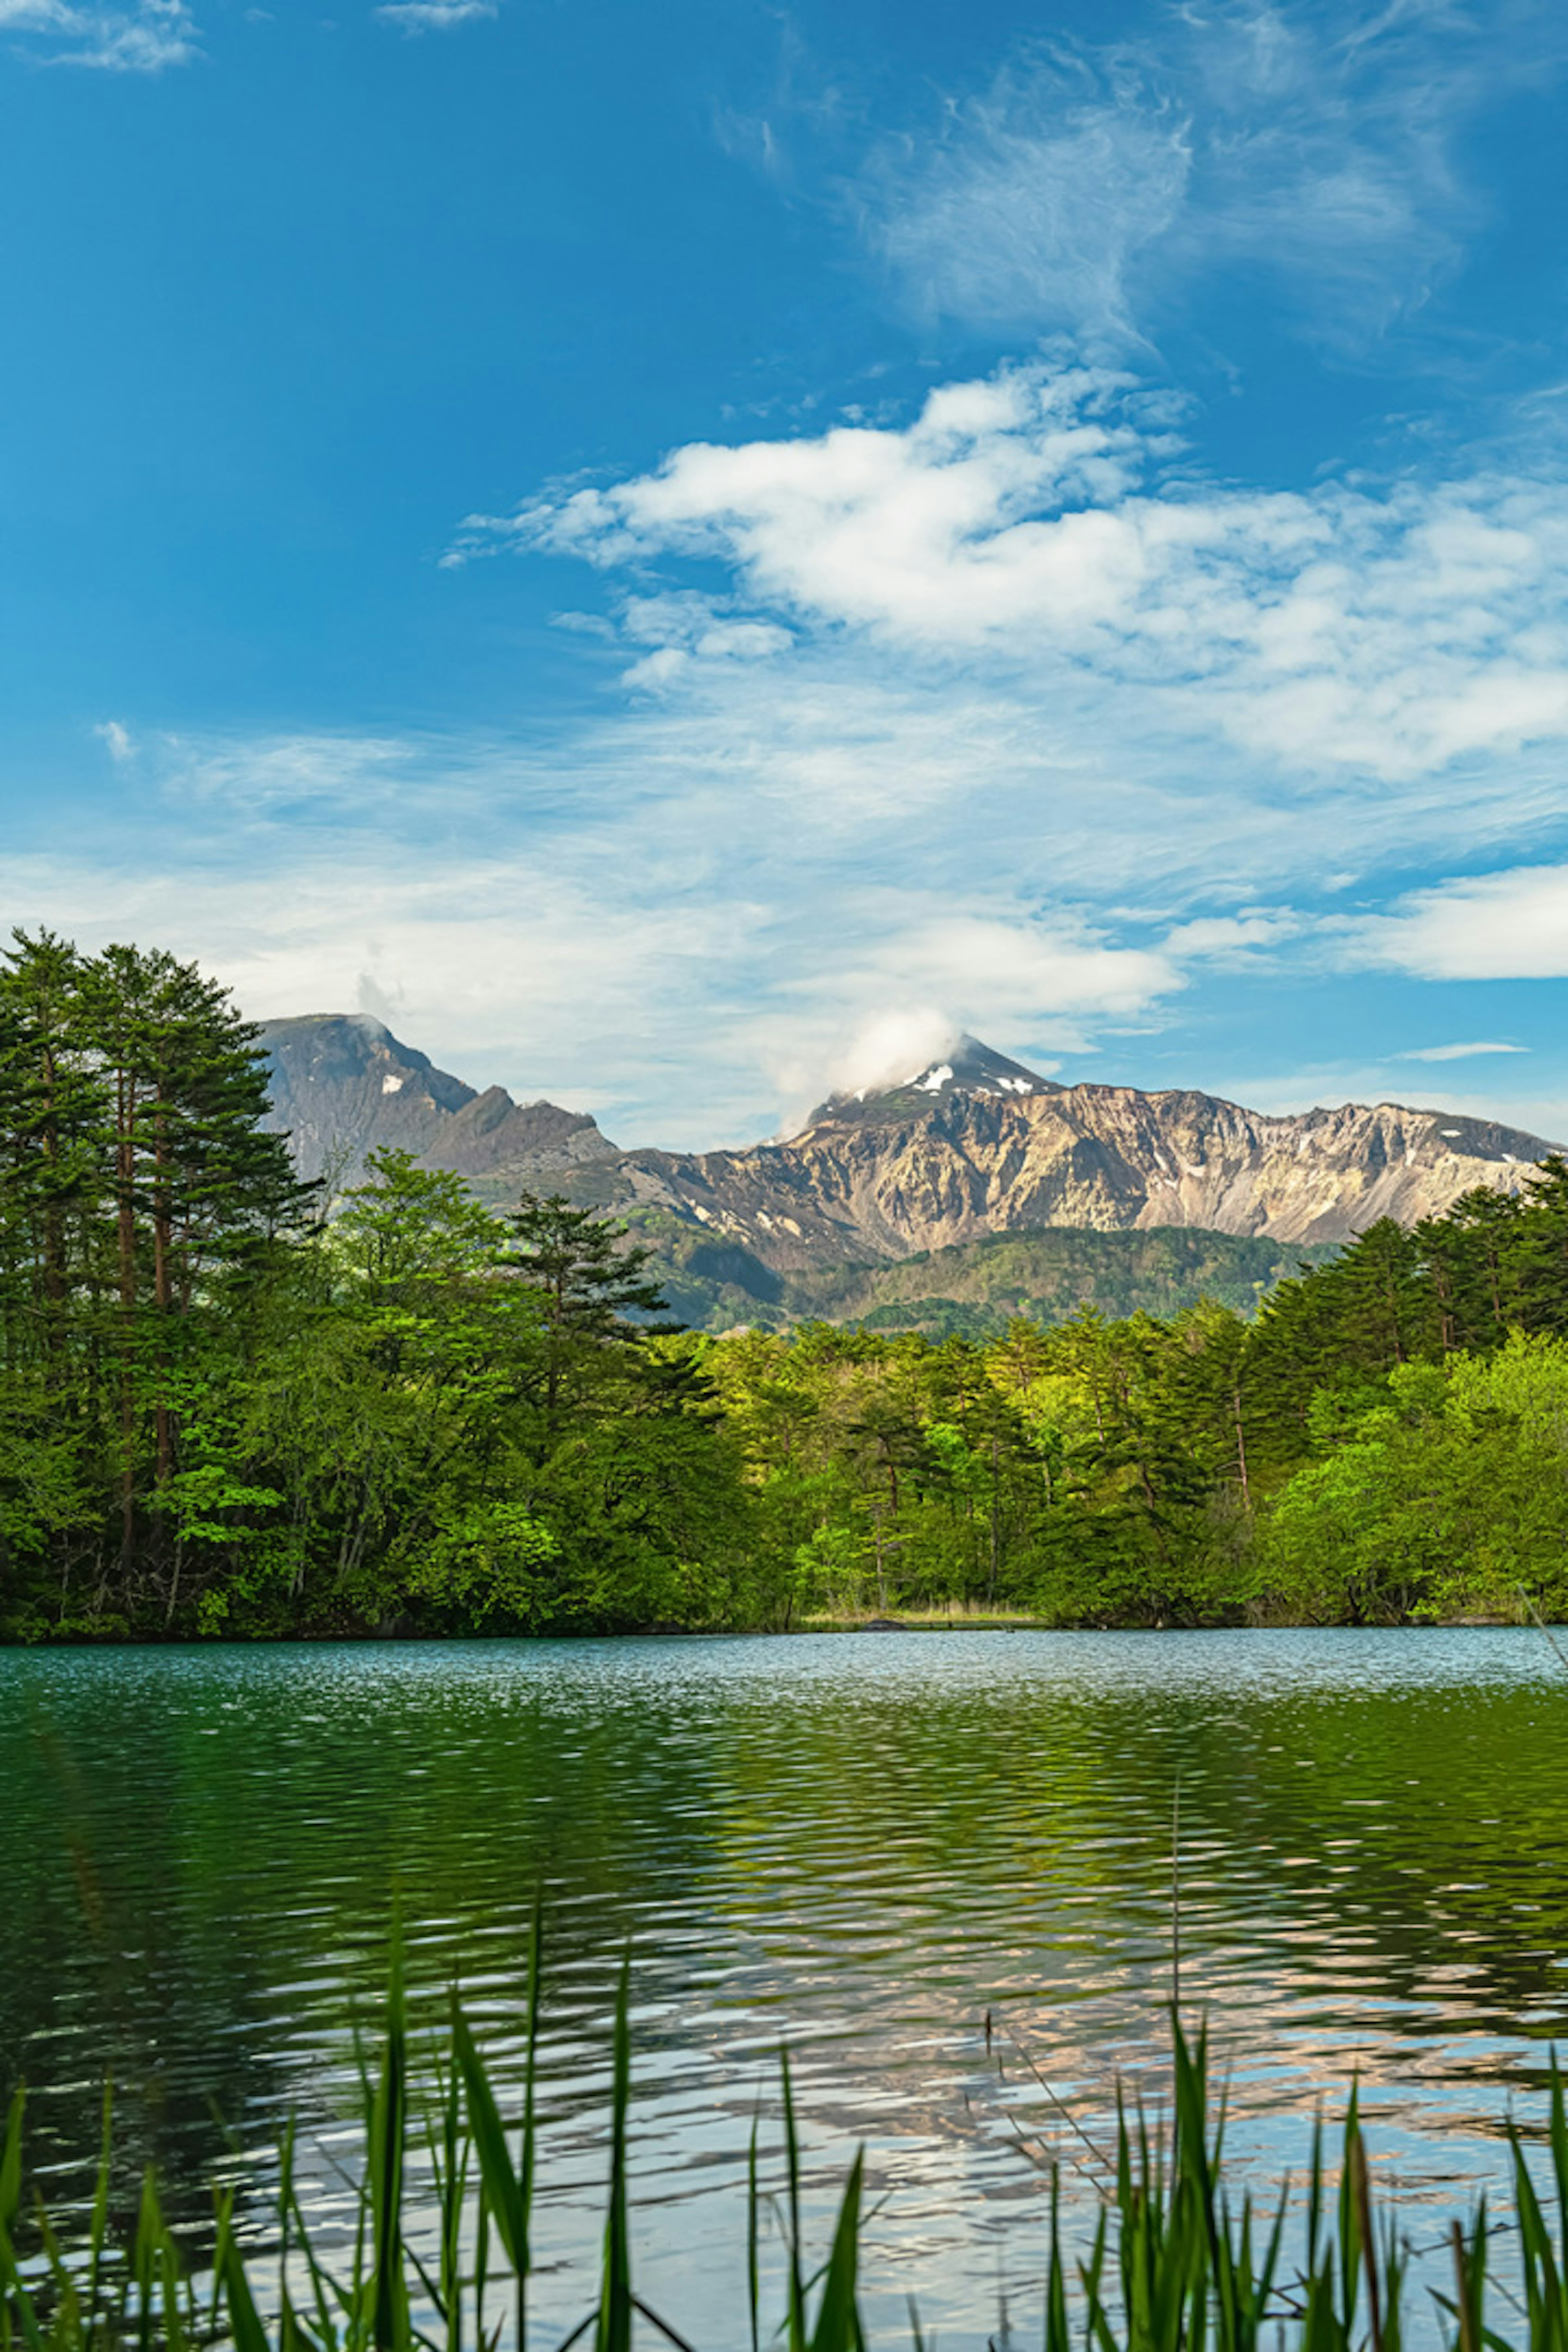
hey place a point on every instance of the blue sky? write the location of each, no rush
(678, 555)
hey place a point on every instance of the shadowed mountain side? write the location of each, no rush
(344, 1085)
(971, 1147)
(974, 1289)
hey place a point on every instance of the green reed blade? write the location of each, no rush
(144, 2257)
(14, 2294)
(1349, 2214)
(753, 2279)
(614, 2331)
(388, 2119)
(451, 2170)
(171, 2280)
(528, 2150)
(323, 2289)
(11, 2158)
(795, 2319)
(503, 2191)
(245, 2331)
(837, 2318)
(482, 2260)
(1058, 2337)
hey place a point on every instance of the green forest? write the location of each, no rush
(225, 1411)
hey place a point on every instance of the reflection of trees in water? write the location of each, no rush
(207, 1859)
(111, 1965)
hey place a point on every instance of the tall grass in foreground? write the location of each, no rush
(1178, 2262)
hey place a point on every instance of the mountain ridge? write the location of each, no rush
(969, 1146)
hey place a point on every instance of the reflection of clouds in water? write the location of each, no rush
(860, 1844)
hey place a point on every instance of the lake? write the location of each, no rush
(857, 1843)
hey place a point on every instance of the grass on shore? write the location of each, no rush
(959, 1616)
(1180, 2261)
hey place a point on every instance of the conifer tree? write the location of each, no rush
(586, 1283)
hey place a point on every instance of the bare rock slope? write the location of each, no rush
(343, 1085)
(952, 1155)
(969, 1147)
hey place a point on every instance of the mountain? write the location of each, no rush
(885, 1179)
(961, 1151)
(343, 1085)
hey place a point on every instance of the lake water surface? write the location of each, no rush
(859, 1844)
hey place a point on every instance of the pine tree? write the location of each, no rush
(587, 1282)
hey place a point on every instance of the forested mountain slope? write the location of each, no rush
(976, 1289)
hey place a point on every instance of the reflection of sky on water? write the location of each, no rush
(861, 1843)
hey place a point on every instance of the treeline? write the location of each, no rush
(223, 1410)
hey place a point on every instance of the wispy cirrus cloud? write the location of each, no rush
(433, 16)
(1310, 153)
(145, 38)
(1459, 1053)
(688, 972)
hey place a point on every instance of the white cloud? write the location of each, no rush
(1024, 521)
(686, 916)
(693, 930)
(433, 16)
(887, 1048)
(142, 38)
(116, 741)
(275, 772)
(1232, 940)
(1034, 204)
(1460, 1053)
(1508, 926)
(1312, 152)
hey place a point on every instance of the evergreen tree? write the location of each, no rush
(586, 1285)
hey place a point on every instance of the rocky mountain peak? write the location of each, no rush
(343, 1085)
(970, 1067)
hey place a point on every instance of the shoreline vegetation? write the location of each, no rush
(232, 1407)
(1182, 2256)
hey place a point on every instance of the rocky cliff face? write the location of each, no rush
(343, 1085)
(1107, 1157)
(971, 1146)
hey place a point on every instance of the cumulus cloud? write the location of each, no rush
(1029, 519)
(143, 39)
